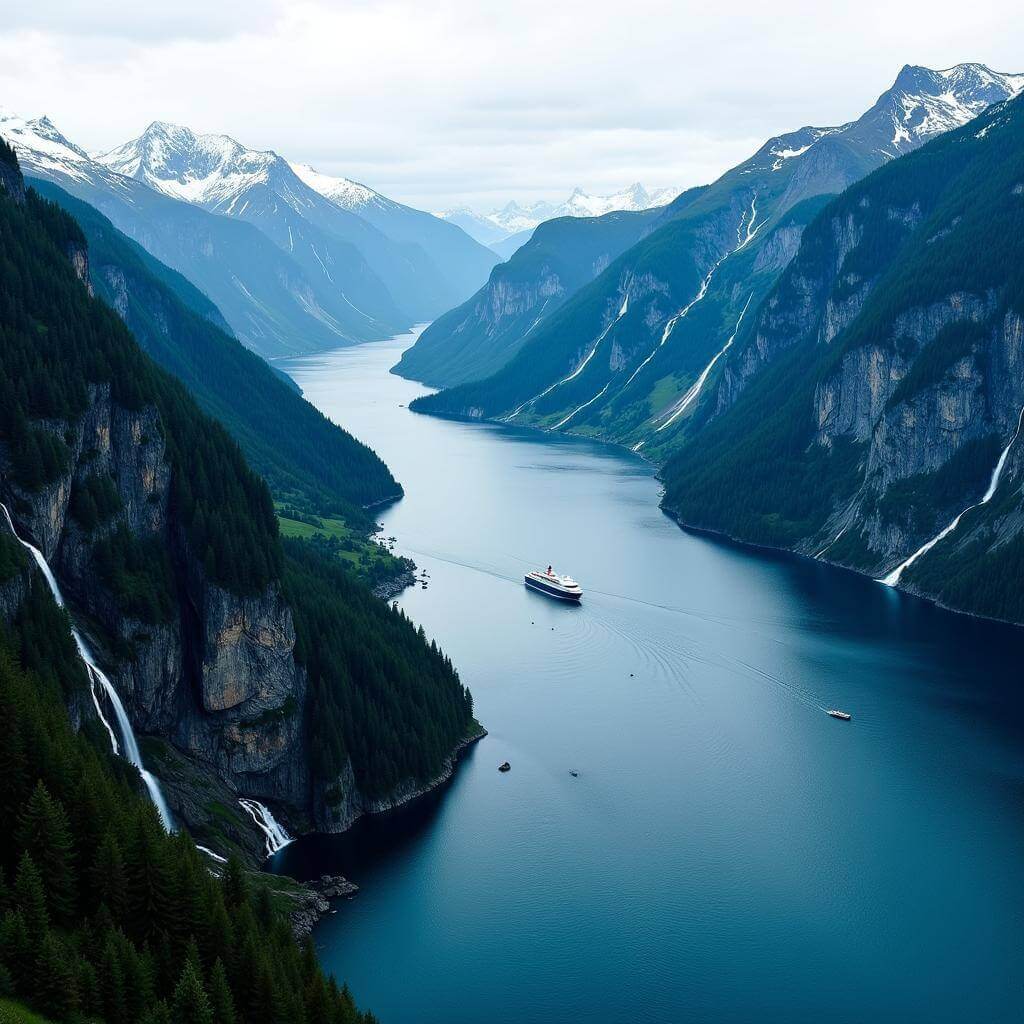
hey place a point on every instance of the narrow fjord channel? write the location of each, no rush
(726, 852)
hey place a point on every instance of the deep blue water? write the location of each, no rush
(728, 852)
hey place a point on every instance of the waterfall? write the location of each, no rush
(741, 243)
(894, 577)
(691, 396)
(276, 836)
(623, 310)
(128, 743)
(209, 853)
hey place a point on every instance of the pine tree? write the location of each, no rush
(112, 984)
(53, 989)
(16, 949)
(44, 833)
(236, 887)
(87, 982)
(110, 879)
(30, 898)
(158, 1013)
(221, 1000)
(191, 1004)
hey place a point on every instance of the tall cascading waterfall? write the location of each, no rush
(277, 837)
(128, 746)
(894, 577)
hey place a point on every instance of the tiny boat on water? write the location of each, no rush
(839, 714)
(565, 588)
(504, 767)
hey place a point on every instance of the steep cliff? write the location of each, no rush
(166, 549)
(870, 414)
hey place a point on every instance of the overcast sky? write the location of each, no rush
(444, 103)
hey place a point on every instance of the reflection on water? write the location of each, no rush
(726, 852)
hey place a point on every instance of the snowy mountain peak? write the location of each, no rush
(39, 134)
(923, 103)
(515, 217)
(41, 146)
(212, 170)
(919, 105)
(351, 195)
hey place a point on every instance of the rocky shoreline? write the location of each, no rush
(388, 589)
(313, 899)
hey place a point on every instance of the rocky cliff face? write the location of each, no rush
(871, 413)
(216, 682)
(217, 678)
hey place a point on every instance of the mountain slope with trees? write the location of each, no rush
(874, 405)
(627, 356)
(103, 915)
(306, 459)
(166, 547)
(477, 338)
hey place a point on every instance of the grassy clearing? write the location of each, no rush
(367, 560)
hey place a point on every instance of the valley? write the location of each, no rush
(294, 728)
(725, 846)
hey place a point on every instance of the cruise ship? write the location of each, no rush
(565, 588)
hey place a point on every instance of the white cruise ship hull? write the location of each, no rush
(552, 587)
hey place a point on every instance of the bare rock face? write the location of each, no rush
(248, 656)
(78, 257)
(219, 678)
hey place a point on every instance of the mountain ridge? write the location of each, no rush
(629, 379)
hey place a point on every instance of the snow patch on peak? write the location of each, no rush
(41, 146)
(342, 191)
(514, 217)
(923, 103)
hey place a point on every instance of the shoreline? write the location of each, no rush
(386, 590)
(722, 534)
(315, 898)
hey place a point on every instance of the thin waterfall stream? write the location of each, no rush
(128, 746)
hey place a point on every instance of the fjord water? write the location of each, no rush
(727, 852)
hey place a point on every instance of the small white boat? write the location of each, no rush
(839, 714)
(565, 588)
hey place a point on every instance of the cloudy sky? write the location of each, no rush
(453, 102)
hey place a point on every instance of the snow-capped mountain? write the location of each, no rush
(271, 302)
(39, 137)
(923, 103)
(635, 197)
(348, 194)
(465, 261)
(722, 246)
(515, 218)
(209, 170)
(331, 227)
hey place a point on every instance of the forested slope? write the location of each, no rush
(166, 546)
(304, 457)
(878, 392)
(103, 915)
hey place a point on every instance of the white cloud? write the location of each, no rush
(459, 101)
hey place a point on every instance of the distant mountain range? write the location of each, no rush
(291, 268)
(625, 353)
(516, 220)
